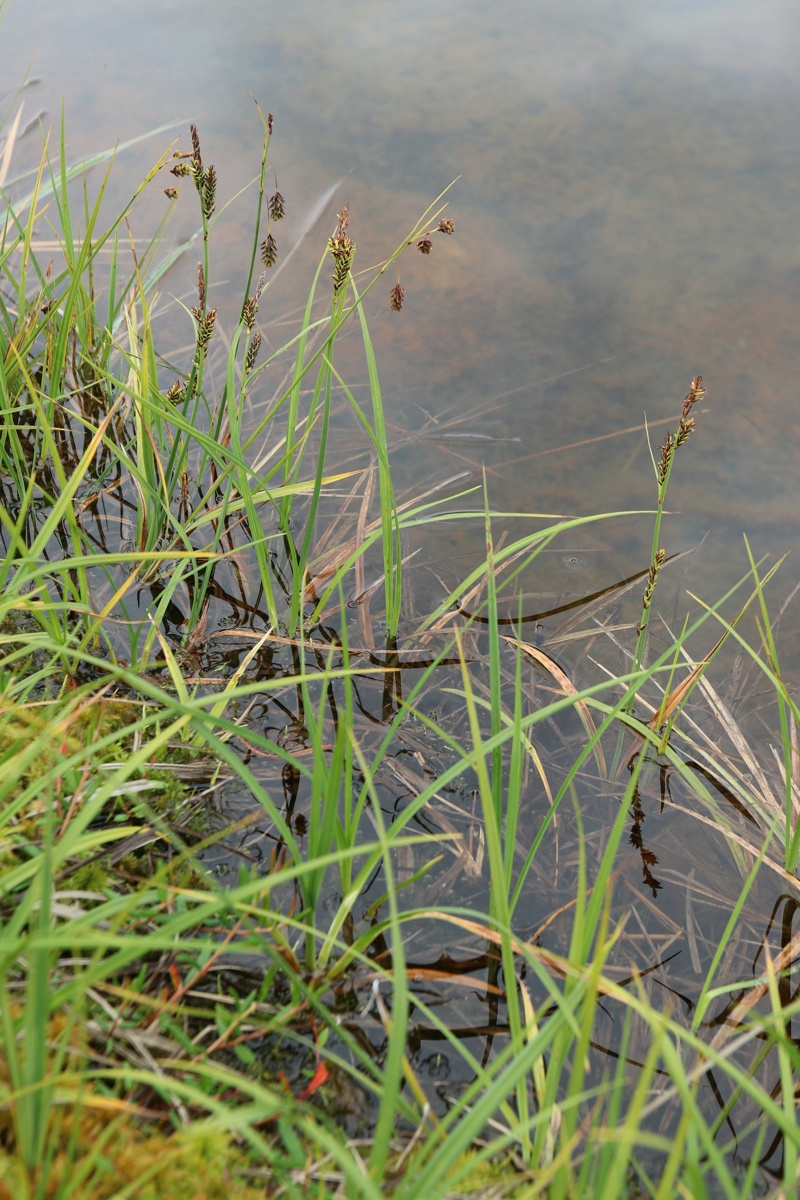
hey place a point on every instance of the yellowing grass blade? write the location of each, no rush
(676, 697)
(568, 687)
(9, 146)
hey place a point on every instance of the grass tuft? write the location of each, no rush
(304, 888)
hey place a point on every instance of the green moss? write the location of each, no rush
(109, 1156)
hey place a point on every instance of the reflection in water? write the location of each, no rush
(649, 859)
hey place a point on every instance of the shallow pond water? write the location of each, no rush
(628, 187)
(628, 184)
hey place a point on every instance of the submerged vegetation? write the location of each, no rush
(306, 891)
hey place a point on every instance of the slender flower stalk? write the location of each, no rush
(663, 470)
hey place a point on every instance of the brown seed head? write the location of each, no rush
(174, 392)
(696, 389)
(446, 226)
(252, 352)
(201, 286)
(684, 429)
(172, 193)
(425, 245)
(209, 194)
(652, 576)
(269, 251)
(197, 161)
(666, 456)
(695, 393)
(343, 250)
(655, 567)
(269, 124)
(396, 297)
(277, 208)
(205, 329)
(249, 310)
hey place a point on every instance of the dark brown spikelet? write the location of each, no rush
(446, 226)
(269, 124)
(172, 193)
(249, 310)
(269, 251)
(196, 146)
(209, 194)
(343, 250)
(695, 393)
(180, 169)
(425, 245)
(174, 393)
(652, 576)
(197, 160)
(277, 208)
(205, 328)
(684, 429)
(666, 456)
(252, 352)
(197, 310)
(396, 297)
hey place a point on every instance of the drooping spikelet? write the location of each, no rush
(396, 298)
(269, 251)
